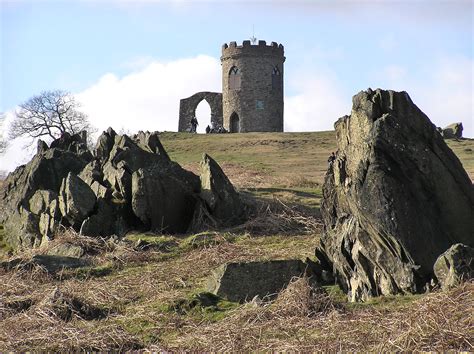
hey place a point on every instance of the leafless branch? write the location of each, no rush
(49, 115)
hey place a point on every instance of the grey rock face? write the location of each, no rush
(243, 281)
(130, 184)
(102, 222)
(455, 265)
(41, 200)
(67, 250)
(395, 198)
(164, 197)
(223, 201)
(76, 200)
(104, 144)
(54, 263)
(453, 131)
(45, 173)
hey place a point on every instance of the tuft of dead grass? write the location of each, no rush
(276, 217)
(299, 321)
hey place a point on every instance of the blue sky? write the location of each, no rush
(129, 62)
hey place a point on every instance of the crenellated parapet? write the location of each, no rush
(247, 48)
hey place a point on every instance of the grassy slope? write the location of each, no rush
(141, 288)
(274, 159)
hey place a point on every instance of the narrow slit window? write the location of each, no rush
(234, 78)
(276, 78)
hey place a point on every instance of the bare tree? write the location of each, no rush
(3, 142)
(50, 114)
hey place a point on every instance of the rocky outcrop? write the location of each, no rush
(127, 183)
(221, 198)
(243, 281)
(453, 131)
(394, 199)
(455, 265)
(44, 172)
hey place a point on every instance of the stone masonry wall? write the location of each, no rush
(256, 63)
(187, 109)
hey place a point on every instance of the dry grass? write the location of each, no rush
(300, 320)
(123, 300)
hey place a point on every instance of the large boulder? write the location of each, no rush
(164, 197)
(21, 205)
(394, 199)
(453, 131)
(218, 192)
(76, 200)
(243, 281)
(455, 265)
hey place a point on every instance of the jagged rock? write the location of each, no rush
(21, 230)
(76, 200)
(104, 145)
(91, 173)
(395, 198)
(76, 144)
(41, 200)
(45, 171)
(453, 131)
(101, 223)
(41, 146)
(223, 201)
(243, 281)
(455, 265)
(163, 197)
(132, 156)
(65, 185)
(151, 142)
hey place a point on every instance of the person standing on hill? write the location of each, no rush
(331, 158)
(194, 124)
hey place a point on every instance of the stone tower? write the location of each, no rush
(252, 87)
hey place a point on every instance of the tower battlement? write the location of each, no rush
(247, 48)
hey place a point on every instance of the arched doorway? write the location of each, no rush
(234, 123)
(187, 110)
(203, 115)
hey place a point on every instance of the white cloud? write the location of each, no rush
(317, 104)
(149, 99)
(445, 94)
(449, 96)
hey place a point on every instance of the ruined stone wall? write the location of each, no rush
(258, 104)
(187, 109)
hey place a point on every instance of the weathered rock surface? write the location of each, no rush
(128, 183)
(394, 199)
(76, 200)
(66, 250)
(455, 265)
(55, 263)
(219, 193)
(243, 281)
(164, 197)
(44, 172)
(453, 131)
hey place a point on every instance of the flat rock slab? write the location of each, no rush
(243, 281)
(54, 263)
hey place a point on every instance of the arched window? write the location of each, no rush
(276, 78)
(234, 78)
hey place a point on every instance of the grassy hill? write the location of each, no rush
(130, 298)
